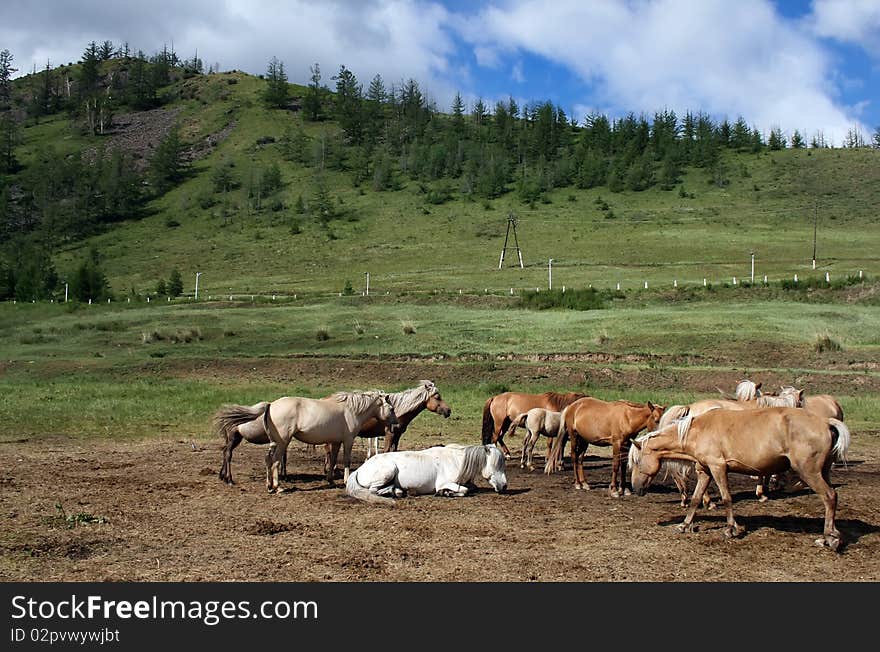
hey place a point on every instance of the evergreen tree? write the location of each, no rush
(167, 166)
(312, 101)
(8, 125)
(876, 137)
(349, 109)
(275, 94)
(458, 114)
(294, 144)
(776, 141)
(106, 51)
(175, 284)
(89, 281)
(797, 141)
(140, 92)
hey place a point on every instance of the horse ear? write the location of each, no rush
(650, 406)
(637, 444)
(758, 386)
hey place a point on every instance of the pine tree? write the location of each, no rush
(175, 284)
(276, 93)
(89, 281)
(8, 125)
(167, 166)
(797, 141)
(312, 100)
(349, 109)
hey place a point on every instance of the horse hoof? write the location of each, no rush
(712, 506)
(627, 492)
(578, 485)
(686, 528)
(614, 493)
(762, 499)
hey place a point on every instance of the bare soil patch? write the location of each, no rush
(156, 511)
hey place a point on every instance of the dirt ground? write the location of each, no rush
(75, 510)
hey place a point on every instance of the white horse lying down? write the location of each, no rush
(446, 470)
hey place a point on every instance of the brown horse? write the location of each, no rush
(500, 411)
(603, 423)
(762, 441)
(823, 405)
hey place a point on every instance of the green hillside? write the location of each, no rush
(323, 228)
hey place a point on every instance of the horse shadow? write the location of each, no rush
(851, 529)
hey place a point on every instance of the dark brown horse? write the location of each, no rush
(500, 411)
(603, 423)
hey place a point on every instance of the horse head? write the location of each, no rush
(656, 412)
(435, 402)
(386, 411)
(643, 462)
(493, 470)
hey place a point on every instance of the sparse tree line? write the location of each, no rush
(381, 136)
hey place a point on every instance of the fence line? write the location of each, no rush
(654, 285)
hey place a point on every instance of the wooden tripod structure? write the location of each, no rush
(511, 224)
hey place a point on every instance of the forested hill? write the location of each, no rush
(121, 170)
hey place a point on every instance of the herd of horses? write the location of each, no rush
(754, 433)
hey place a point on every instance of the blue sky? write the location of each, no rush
(812, 65)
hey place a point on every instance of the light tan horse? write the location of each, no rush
(762, 441)
(500, 410)
(603, 423)
(823, 405)
(335, 420)
(537, 422)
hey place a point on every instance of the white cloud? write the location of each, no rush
(853, 21)
(516, 73)
(720, 57)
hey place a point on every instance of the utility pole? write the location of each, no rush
(367, 293)
(511, 223)
(753, 266)
(198, 274)
(815, 228)
(65, 292)
(550, 274)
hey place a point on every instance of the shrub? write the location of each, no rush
(409, 327)
(322, 335)
(825, 343)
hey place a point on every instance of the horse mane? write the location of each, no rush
(559, 400)
(410, 400)
(632, 403)
(358, 401)
(473, 463)
(746, 390)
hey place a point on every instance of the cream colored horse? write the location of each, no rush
(765, 440)
(537, 422)
(335, 420)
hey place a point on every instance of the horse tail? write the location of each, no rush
(488, 422)
(354, 489)
(558, 443)
(516, 422)
(230, 417)
(843, 439)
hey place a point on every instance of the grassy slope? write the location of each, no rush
(407, 245)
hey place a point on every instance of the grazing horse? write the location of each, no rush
(500, 410)
(537, 422)
(823, 405)
(766, 441)
(407, 404)
(444, 470)
(603, 423)
(335, 420)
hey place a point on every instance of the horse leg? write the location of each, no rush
(498, 438)
(821, 484)
(703, 478)
(226, 469)
(613, 489)
(733, 529)
(346, 458)
(452, 489)
(762, 488)
(273, 461)
(577, 461)
(331, 463)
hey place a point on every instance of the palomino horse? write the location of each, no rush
(501, 409)
(603, 423)
(237, 422)
(823, 405)
(749, 397)
(537, 422)
(335, 420)
(407, 404)
(444, 470)
(766, 441)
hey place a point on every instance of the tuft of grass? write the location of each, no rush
(358, 328)
(409, 327)
(322, 335)
(62, 519)
(825, 343)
